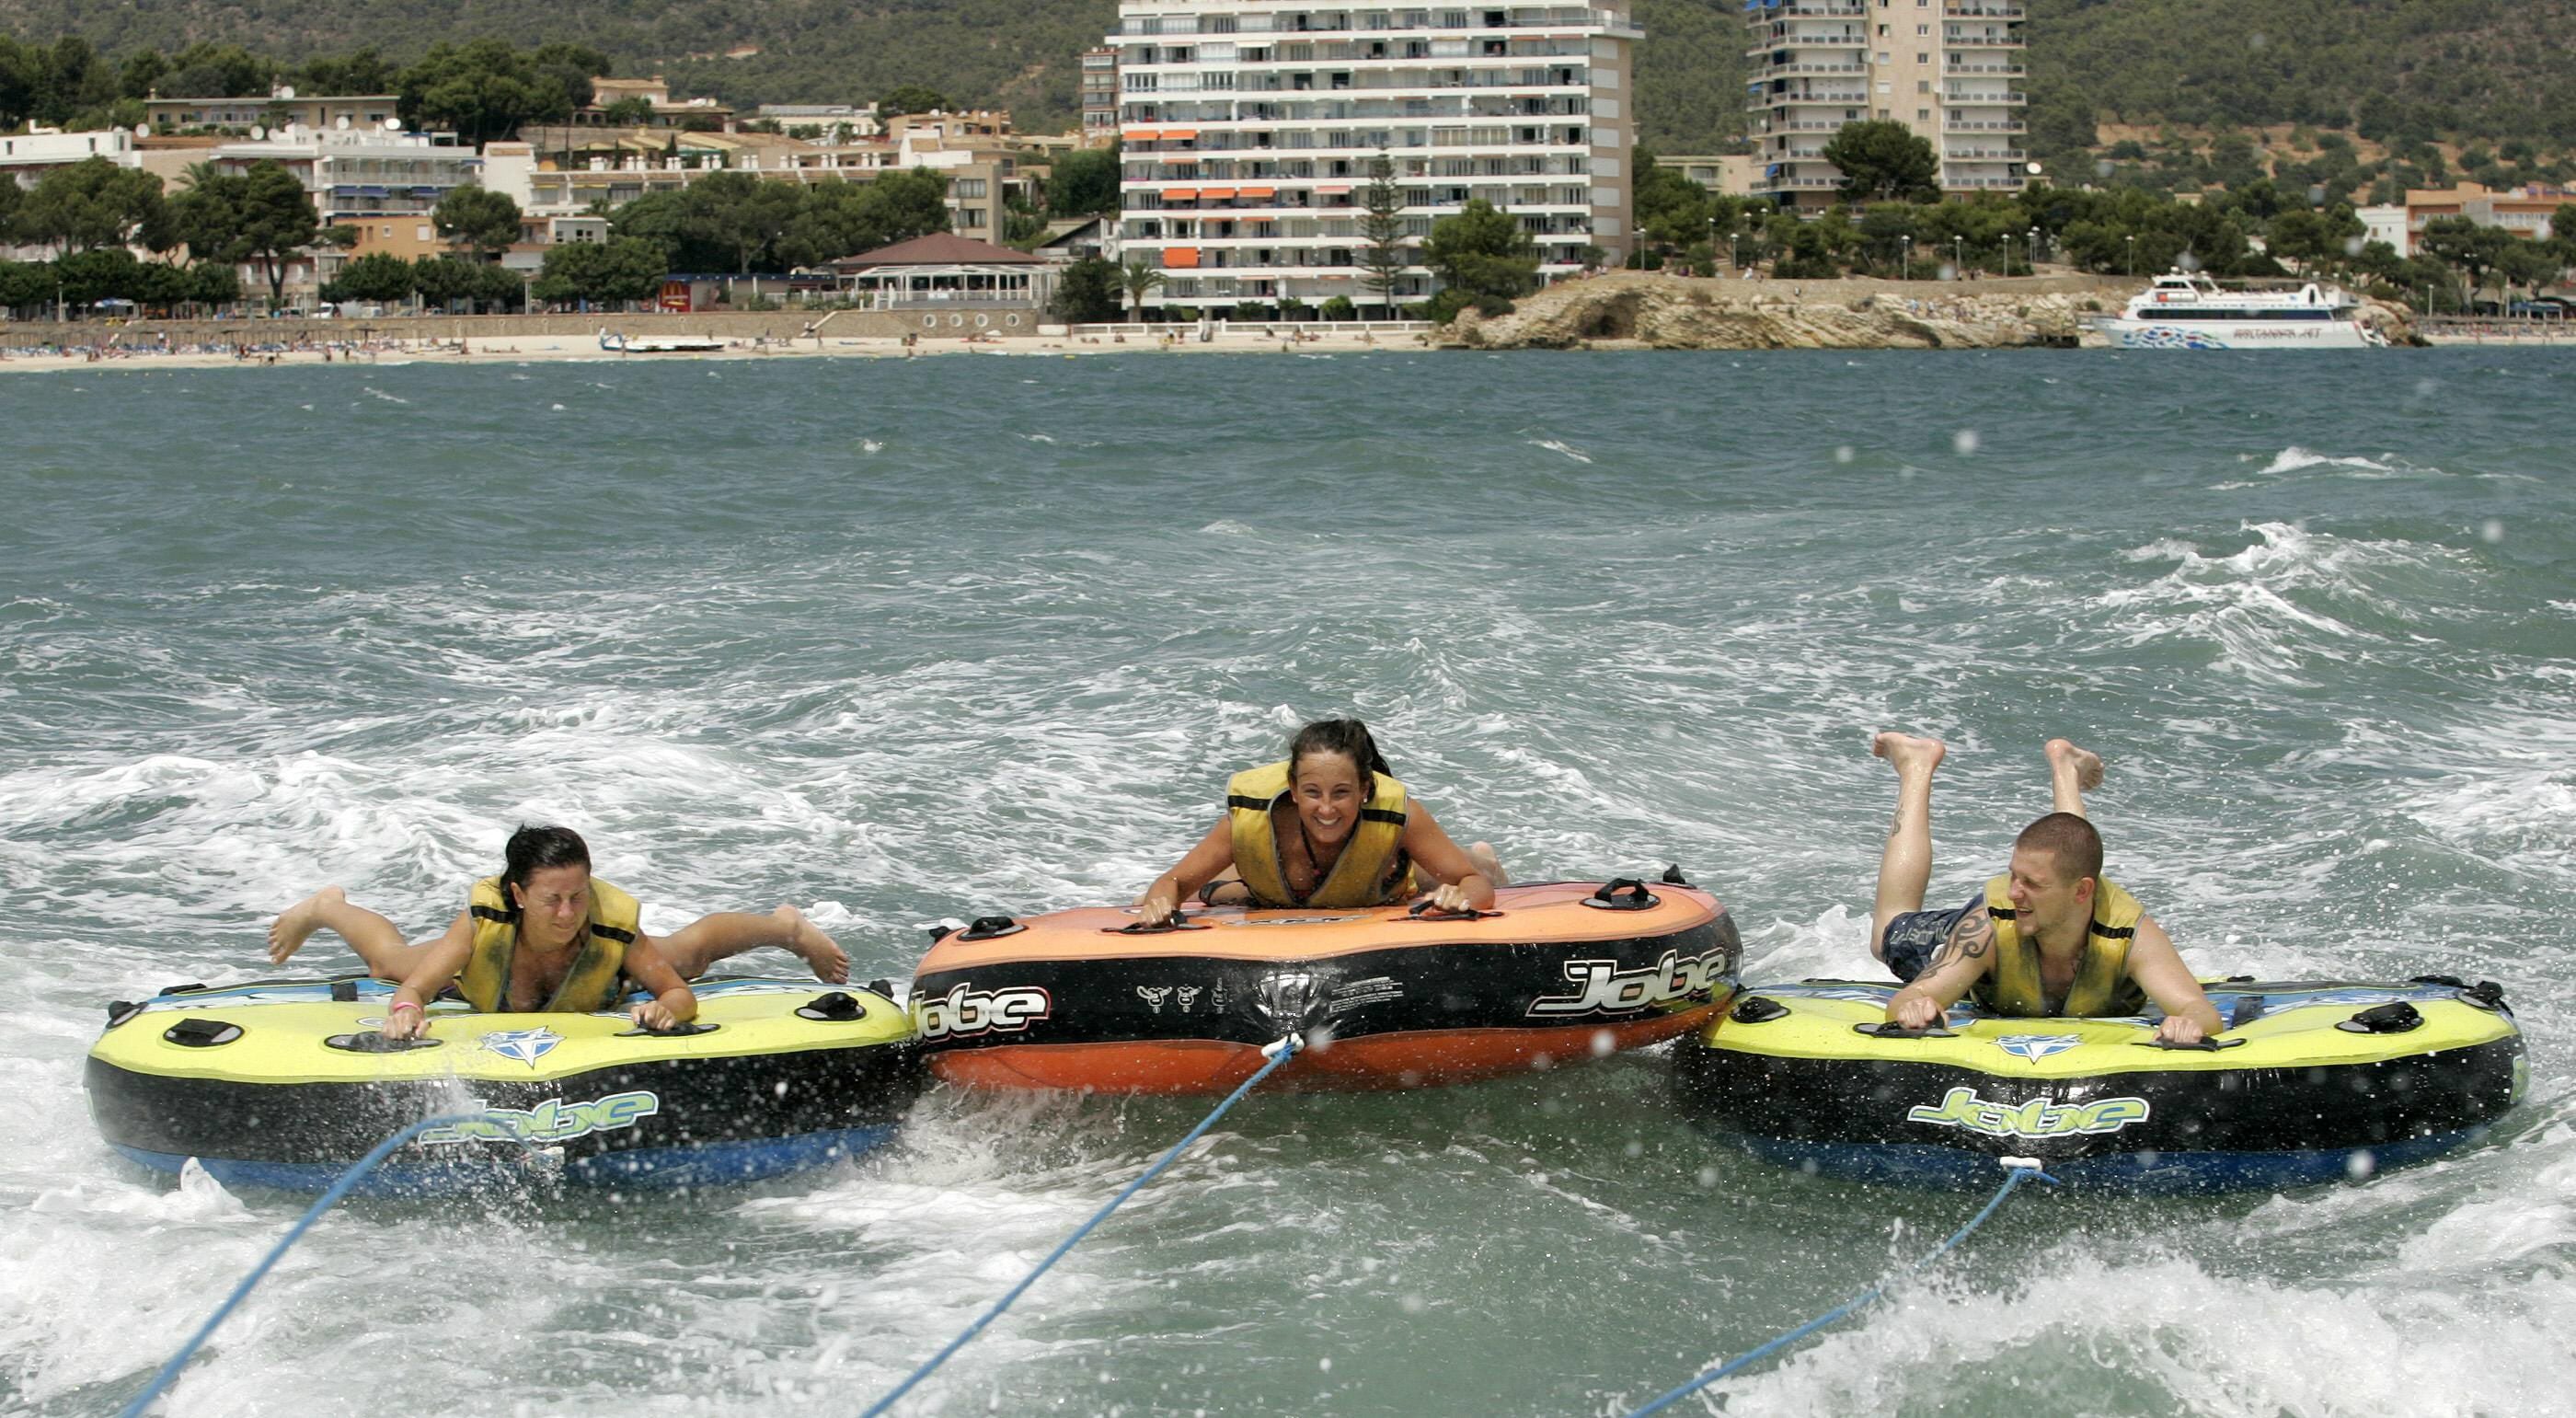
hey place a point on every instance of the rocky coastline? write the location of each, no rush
(1651, 310)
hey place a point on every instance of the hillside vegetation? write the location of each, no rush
(2393, 71)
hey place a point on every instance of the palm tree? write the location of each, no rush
(1139, 281)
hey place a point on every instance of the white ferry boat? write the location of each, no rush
(2187, 311)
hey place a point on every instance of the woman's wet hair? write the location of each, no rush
(1348, 737)
(533, 849)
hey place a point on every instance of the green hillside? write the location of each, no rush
(2395, 71)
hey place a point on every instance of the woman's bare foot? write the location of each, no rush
(2086, 764)
(829, 962)
(297, 923)
(1905, 751)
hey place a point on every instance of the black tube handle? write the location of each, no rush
(1624, 893)
(1423, 910)
(1890, 1029)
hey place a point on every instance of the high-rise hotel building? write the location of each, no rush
(1951, 70)
(1247, 128)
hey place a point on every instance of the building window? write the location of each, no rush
(970, 187)
(1923, 86)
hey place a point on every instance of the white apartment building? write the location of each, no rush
(383, 183)
(27, 157)
(1247, 129)
(1099, 97)
(1950, 70)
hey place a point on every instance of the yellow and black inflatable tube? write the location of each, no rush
(286, 1083)
(2314, 1081)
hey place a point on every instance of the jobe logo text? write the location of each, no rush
(1962, 1108)
(1603, 988)
(966, 1010)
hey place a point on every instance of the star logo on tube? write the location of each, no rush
(525, 1045)
(2035, 1047)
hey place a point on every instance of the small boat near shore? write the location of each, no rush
(615, 342)
(2312, 1081)
(1385, 997)
(2187, 311)
(286, 1083)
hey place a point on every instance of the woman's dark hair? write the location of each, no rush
(1344, 736)
(533, 849)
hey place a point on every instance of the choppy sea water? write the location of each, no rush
(899, 641)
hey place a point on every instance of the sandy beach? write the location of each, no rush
(138, 350)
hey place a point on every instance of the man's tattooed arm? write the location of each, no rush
(1970, 939)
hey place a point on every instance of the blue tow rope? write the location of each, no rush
(1279, 1053)
(2021, 1168)
(348, 1179)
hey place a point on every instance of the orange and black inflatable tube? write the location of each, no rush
(1558, 973)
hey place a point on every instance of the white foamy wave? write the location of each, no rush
(2202, 1339)
(2295, 459)
(175, 1252)
(2507, 790)
(1559, 446)
(1835, 945)
(2276, 603)
(975, 1192)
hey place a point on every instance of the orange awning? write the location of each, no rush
(1180, 194)
(1217, 194)
(1261, 193)
(1139, 135)
(1176, 135)
(1180, 159)
(1181, 256)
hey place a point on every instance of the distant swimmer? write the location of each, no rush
(547, 900)
(2050, 937)
(1330, 826)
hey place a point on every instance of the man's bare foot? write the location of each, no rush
(2086, 763)
(1906, 751)
(829, 962)
(297, 923)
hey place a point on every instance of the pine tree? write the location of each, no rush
(1383, 260)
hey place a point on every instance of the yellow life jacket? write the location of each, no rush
(2102, 985)
(591, 983)
(1371, 871)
